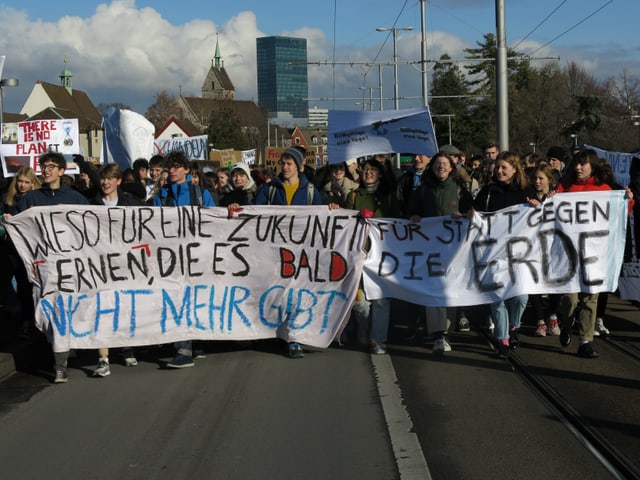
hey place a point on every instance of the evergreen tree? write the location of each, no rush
(225, 130)
(451, 103)
(483, 75)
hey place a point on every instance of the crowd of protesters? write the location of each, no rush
(446, 184)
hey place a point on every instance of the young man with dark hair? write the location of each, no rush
(180, 191)
(52, 192)
(291, 187)
(491, 150)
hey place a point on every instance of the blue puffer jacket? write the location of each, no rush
(178, 194)
(306, 194)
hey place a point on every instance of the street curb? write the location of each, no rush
(20, 354)
(7, 365)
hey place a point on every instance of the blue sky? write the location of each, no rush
(127, 51)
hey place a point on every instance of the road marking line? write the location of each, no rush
(406, 447)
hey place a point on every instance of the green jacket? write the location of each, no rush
(382, 205)
(441, 198)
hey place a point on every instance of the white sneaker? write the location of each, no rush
(554, 328)
(102, 370)
(463, 325)
(440, 346)
(130, 361)
(600, 329)
(60, 376)
(541, 329)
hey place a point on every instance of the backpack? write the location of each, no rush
(195, 196)
(272, 193)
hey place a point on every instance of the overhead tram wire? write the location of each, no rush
(335, 18)
(539, 24)
(375, 59)
(571, 28)
(411, 63)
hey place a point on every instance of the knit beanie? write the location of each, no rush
(557, 152)
(296, 155)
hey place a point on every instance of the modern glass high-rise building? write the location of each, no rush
(283, 87)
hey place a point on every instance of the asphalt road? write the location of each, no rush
(238, 414)
(249, 412)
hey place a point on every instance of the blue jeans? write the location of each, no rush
(380, 310)
(507, 313)
(184, 348)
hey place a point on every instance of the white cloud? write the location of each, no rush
(121, 53)
(128, 50)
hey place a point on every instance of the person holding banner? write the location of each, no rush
(110, 195)
(509, 186)
(180, 191)
(544, 181)
(375, 198)
(291, 187)
(408, 193)
(52, 192)
(443, 192)
(241, 189)
(584, 174)
(24, 181)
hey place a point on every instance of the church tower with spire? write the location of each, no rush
(65, 77)
(218, 85)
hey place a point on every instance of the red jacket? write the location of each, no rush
(589, 185)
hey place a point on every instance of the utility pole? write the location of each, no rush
(5, 82)
(502, 95)
(380, 85)
(396, 99)
(423, 26)
(394, 35)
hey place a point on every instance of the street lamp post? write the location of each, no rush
(6, 82)
(575, 139)
(380, 86)
(394, 33)
(370, 97)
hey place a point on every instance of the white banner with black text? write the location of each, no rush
(117, 276)
(573, 242)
